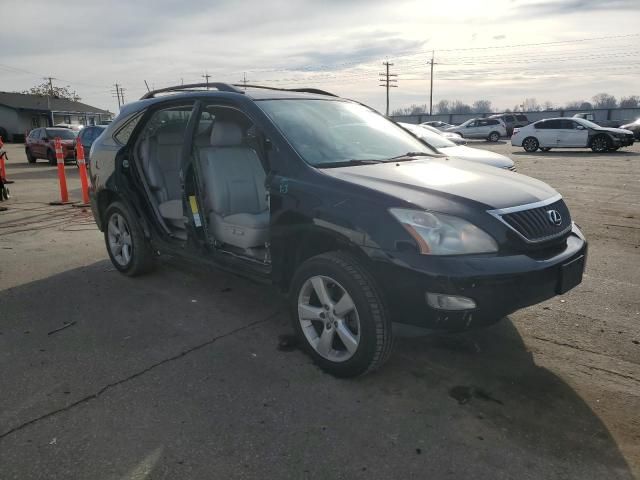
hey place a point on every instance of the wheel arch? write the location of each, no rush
(309, 243)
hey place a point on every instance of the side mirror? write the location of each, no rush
(580, 127)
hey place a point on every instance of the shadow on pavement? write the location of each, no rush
(178, 374)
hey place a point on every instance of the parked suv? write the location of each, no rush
(570, 133)
(488, 128)
(86, 137)
(40, 143)
(363, 226)
(512, 120)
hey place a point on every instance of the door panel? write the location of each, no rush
(572, 136)
(548, 136)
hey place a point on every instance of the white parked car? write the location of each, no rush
(438, 124)
(446, 147)
(454, 137)
(570, 133)
(490, 128)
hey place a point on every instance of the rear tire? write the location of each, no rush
(530, 144)
(493, 137)
(600, 144)
(52, 158)
(334, 297)
(129, 250)
(30, 157)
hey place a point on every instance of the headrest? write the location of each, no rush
(226, 134)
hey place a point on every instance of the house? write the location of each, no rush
(20, 112)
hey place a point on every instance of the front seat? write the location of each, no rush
(235, 195)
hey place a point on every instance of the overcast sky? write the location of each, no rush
(331, 44)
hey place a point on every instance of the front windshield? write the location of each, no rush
(587, 123)
(432, 139)
(333, 131)
(63, 133)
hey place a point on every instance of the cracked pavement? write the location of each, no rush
(178, 374)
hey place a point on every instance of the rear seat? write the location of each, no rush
(161, 164)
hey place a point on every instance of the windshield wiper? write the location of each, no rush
(347, 163)
(406, 157)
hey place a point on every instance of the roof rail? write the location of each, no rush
(220, 86)
(301, 90)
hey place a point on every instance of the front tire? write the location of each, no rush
(493, 137)
(30, 157)
(340, 315)
(129, 250)
(530, 144)
(600, 144)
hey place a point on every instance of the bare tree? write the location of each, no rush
(443, 106)
(460, 107)
(630, 102)
(45, 89)
(548, 106)
(531, 105)
(604, 100)
(482, 106)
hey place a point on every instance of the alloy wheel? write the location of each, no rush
(329, 318)
(530, 144)
(119, 237)
(600, 144)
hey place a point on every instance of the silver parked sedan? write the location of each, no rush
(445, 146)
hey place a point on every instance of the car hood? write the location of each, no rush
(478, 155)
(614, 130)
(422, 181)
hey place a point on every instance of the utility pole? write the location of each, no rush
(122, 94)
(388, 81)
(50, 79)
(117, 94)
(432, 63)
(206, 76)
(244, 80)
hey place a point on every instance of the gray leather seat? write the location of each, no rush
(235, 195)
(160, 156)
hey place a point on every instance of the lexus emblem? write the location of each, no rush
(554, 217)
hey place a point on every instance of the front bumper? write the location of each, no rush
(499, 285)
(623, 142)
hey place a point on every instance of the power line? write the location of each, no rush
(388, 81)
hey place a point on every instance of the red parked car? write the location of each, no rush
(41, 144)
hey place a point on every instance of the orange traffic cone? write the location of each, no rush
(62, 178)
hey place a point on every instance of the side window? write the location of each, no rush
(493, 122)
(522, 118)
(554, 124)
(472, 124)
(541, 125)
(122, 136)
(509, 118)
(567, 124)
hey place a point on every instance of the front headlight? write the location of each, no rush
(439, 234)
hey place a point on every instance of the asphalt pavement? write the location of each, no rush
(182, 374)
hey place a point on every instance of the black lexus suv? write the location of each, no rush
(366, 229)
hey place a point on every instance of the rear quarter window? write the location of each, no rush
(123, 135)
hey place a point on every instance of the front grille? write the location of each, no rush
(535, 224)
